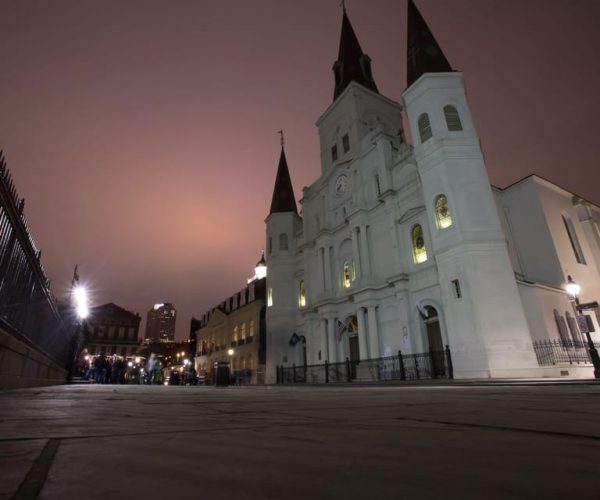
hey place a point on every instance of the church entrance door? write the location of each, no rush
(436, 345)
(354, 355)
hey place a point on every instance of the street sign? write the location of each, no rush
(584, 323)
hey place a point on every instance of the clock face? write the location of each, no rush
(341, 184)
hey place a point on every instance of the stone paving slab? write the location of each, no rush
(534, 441)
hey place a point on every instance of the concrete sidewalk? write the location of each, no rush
(456, 441)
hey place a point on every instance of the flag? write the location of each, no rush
(294, 339)
(422, 310)
(340, 328)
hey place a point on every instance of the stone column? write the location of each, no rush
(331, 340)
(323, 341)
(321, 270)
(356, 251)
(364, 250)
(362, 333)
(373, 332)
(328, 268)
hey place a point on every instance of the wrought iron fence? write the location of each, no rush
(28, 308)
(555, 351)
(427, 365)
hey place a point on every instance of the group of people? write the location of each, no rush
(102, 369)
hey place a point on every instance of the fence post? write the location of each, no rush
(326, 372)
(348, 374)
(416, 367)
(402, 369)
(294, 371)
(449, 363)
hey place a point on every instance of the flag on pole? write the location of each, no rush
(340, 328)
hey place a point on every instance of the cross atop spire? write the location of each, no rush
(352, 64)
(283, 194)
(424, 53)
(280, 132)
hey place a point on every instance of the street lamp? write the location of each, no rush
(81, 302)
(573, 289)
(230, 352)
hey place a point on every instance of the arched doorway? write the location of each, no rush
(434, 340)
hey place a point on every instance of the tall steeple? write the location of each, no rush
(352, 64)
(424, 53)
(283, 193)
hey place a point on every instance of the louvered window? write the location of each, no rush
(452, 119)
(424, 127)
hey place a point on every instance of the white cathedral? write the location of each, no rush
(410, 248)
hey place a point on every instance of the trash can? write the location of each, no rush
(221, 373)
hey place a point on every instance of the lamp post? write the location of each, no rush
(573, 289)
(80, 308)
(230, 352)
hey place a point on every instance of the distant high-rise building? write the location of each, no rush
(160, 324)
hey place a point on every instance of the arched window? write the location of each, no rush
(452, 119)
(443, 219)
(348, 273)
(251, 334)
(269, 297)
(418, 242)
(424, 127)
(243, 331)
(574, 240)
(302, 294)
(283, 241)
(561, 325)
(235, 333)
(270, 245)
(573, 328)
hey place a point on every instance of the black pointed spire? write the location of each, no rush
(283, 193)
(424, 53)
(352, 64)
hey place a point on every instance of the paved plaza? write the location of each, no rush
(396, 442)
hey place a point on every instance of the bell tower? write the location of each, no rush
(283, 223)
(487, 328)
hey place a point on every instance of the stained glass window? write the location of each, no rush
(348, 273)
(443, 219)
(302, 294)
(419, 250)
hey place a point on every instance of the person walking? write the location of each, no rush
(100, 366)
(151, 368)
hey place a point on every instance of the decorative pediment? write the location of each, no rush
(411, 213)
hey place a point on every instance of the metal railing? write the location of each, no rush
(427, 365)
(27, 305)
(555, 351)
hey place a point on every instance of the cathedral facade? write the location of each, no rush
(408, 247)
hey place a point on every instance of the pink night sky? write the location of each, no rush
(142, 133)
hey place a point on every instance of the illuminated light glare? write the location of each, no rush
(137, 360)
(158, 306)
(230, 352)
(87, 358)
(130, 364)
(573, 288)
(80, 295)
